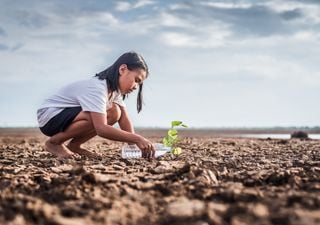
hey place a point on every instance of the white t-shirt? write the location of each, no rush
(91, 94)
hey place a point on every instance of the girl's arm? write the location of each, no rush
(106, 131)
(124, 121)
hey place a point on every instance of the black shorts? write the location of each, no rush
(61, 121)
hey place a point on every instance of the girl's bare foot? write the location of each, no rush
(81, 151)
(58, 150)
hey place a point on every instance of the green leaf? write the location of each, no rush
(176, 151)
(165, 141)
(173, 133)
(168, 141)
(175, 123)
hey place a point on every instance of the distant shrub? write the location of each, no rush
(300, 135)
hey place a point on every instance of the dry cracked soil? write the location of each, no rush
(216, 180)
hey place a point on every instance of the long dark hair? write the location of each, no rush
(133, 61)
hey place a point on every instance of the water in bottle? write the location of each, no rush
(132, 151)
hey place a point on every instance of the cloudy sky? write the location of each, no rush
(229, 63)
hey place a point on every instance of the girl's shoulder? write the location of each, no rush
(87, 84)
(91, 81)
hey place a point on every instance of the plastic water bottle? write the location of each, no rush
(132, 151)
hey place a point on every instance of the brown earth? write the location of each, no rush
(216, 180)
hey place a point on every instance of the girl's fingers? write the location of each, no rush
(148, 151)
(144, 153)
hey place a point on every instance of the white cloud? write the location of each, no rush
(145, 25)
(167, 19)
(142, 3)
(59, 46)
(123, 6)
(311, 11)
(206, 36)
(177, 39)
(193, 41)
(227, 5)
(179, 6)
(279, 58)
(305, 36)
(105, 18)
(126, 6)
(85, 22)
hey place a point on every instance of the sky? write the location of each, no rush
(246, 63)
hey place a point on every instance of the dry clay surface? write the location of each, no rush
(214, 181)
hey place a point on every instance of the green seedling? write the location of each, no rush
(172, 138)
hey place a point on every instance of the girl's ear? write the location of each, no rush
(122, 68)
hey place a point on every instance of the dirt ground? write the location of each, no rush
(216, 180)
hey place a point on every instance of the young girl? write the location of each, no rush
(84, 109)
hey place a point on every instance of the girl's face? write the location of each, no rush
(129, 80)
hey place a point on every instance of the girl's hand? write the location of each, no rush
(146, 147)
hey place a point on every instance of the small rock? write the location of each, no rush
(185, 208)
(168, 167)
(219, 208)
(238, 221)
(214, 218)
(117, 167)
(62, 168)
(96, 178)
(259, 210)
(209, 177)
(70, 221)
(18, 220)
(216, 212)
(201, 222)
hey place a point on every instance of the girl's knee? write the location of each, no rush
(113, 114)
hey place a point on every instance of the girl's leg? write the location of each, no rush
(75, 144)
(81, 130)
(113, 116)
(80, 125)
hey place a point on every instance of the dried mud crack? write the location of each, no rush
(214, 181)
